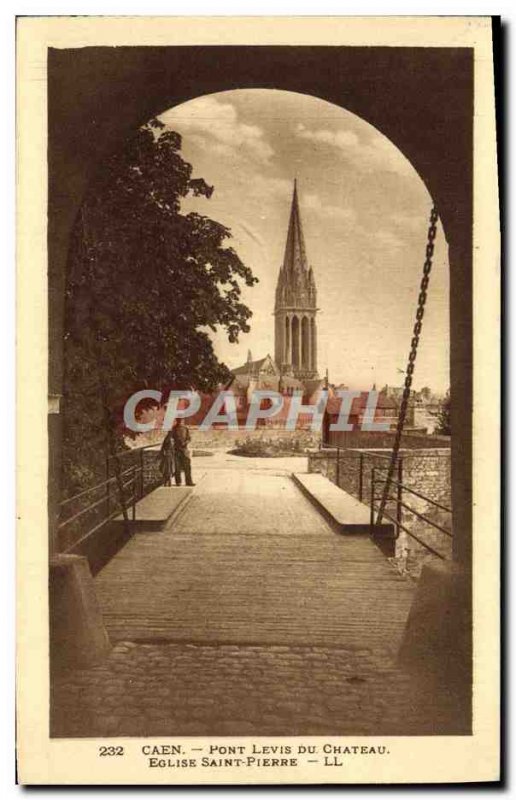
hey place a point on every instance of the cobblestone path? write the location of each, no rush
(188, 690)
(249, 616)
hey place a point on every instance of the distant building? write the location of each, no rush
(391, 397)
(386, 410)
(295, 327)
(294, 367)
(427, 408)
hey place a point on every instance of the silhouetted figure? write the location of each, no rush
(168, 459)
(181, 437)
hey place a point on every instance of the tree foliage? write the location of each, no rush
(145, 283)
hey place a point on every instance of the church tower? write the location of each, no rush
(295, 332)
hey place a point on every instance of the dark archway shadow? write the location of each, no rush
(421, 99)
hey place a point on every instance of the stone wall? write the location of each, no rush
(222, 439)
(372, 440)
(427, 471)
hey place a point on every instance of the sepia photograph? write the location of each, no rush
(260, 400)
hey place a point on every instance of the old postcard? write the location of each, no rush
(258, 388)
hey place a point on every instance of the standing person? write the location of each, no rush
(181, 436)
(167, 459)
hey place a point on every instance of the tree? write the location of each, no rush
(145, 283)
(444, 417)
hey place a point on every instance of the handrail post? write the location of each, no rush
(361, 478)
(107, 484)
(399, 493)
(373, 479)
(337, 469)
(134, 493)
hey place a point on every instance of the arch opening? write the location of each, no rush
(295, 341)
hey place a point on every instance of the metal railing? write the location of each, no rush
(114, 501)
(94, 515)
(358, 465)
(401, 487)
(367, 470)
(357, 469)
(137, 453)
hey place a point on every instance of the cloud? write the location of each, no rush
(266, 186)
(386, 238)
(410, 222)
(344, 140)
(313, 203)
(376, 154)
(218, 125)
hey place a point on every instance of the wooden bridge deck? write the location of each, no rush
(251, 561)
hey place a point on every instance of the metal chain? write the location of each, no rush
(427, 268)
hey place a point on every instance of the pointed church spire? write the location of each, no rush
(295, 309)
(295, 255)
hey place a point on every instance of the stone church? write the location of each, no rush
(295, 326)
(295, 330)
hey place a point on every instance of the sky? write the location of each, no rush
(365, 215)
